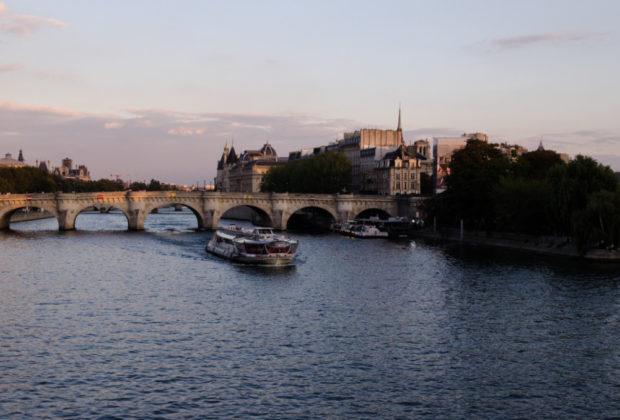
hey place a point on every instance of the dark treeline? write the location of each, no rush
(327, 173)
(537, 194)
(34, 180)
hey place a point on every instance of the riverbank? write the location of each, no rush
(547, 245)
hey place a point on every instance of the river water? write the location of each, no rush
(103, 323)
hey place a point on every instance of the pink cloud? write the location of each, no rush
(167, 145)
(25, 25)
(11, 67)
(113, 124)
(185, 131)
(14, 106)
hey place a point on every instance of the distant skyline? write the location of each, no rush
(153, 89)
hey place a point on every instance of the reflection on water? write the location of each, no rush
(104, 322)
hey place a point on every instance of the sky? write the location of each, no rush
(146, 89)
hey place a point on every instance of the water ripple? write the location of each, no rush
(108, 324)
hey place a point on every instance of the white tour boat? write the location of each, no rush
(253, 246)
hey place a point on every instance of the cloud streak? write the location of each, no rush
(25, 25)
(552, 38)
(154, 143)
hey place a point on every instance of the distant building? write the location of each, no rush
(46, 166)
(378, 158)
(476, 136)
(443, 148)
(563, 156)
(398, 172)
(355, 142)
(66, 171)
(9, 162)
(244, 173)
(512, 151)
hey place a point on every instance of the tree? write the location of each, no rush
(538, 194)
(327, 173)
(475, 174)
(536, 164)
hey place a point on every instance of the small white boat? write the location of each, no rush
(252, 246)
(368, 231)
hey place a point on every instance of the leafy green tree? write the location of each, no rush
(326, 173)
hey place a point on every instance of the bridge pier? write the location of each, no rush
(344, 209)
(66, 221)
(134, 222)
(5, 221)
(65, 209)
(136, 214)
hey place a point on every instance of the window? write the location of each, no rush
(412, 176)
(398, 185)
(404, 185)
(397, 176)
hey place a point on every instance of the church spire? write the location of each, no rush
(21, 156)
(400, 128)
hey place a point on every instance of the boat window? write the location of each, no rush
(255, 248)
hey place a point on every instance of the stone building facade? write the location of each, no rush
(400, 172)
(244, 173)
(67, 171)
(8, 161)
(378, 158)
(355, 144)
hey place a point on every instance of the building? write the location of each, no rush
(398, 172)
(46, 166)
(512, 151)
(355, 142)
(66, 171)
(9, 162)
(443, 148)
(244, 173)
(377, 158)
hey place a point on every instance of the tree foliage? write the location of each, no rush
(536, 194)
(34, 180)
(327, 173)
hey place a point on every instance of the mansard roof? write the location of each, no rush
(401, 153)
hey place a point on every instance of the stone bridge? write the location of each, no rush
(275, 209)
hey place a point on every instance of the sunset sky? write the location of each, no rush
(153, 89)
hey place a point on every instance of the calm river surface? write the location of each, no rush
(106, 323)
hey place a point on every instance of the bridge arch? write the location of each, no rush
(263, 211)
(193, 206)
(7, 212)
(324, 210)
(71, 216)
(373, 212)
